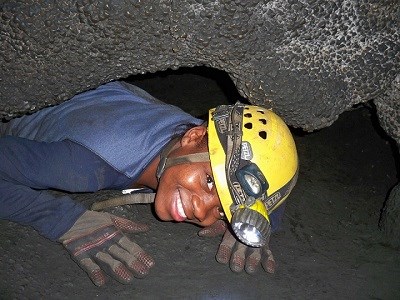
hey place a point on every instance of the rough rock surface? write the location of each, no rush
(388, 106)
(309, 60)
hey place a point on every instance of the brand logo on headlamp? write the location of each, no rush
(221, 125)
(273, 199)
(239, 192)
(247, 153)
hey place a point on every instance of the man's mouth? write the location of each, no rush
(178, 213)
(179, 205)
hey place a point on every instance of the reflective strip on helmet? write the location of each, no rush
(272, 201)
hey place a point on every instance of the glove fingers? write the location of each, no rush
(253, 260)
(138, 268)
(225, 248)
(215, 229)
(128, 225)
(114, 268)
(137, 259)
(268, 261)
(93, 270)
(238, 258)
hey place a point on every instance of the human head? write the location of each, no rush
(186, 190)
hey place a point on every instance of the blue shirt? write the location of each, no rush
(100, 139)
(119, 122)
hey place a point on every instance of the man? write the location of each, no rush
(119, 137)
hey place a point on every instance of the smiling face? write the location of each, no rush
(186, 192)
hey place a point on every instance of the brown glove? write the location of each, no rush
(96, 243)
(238, 255)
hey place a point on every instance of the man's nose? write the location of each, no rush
(203, 208)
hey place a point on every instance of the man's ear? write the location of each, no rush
(193, 136)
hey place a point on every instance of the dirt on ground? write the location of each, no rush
(330, 246)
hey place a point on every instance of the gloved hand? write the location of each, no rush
(97, 244)
(238, 255)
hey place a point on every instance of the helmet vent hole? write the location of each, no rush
(248, 115)
(260, 111)
(263, 121)
(248, 125)
(263, 135)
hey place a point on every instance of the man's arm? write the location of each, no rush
(94, 239)
(28, 167)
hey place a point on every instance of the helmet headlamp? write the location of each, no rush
(251, 225)
(246, 143)
(252, 180)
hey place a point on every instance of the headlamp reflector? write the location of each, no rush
(251, 227)
(247, 233)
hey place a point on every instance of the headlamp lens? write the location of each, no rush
(252, 180)
(250, 226)
(253, 183)
(248, 233)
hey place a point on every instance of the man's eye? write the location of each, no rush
(210, 182)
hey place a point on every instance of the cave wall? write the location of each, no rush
(308, 60)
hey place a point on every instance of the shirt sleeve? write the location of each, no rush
(28, 168)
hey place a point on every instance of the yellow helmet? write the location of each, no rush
(255, 165)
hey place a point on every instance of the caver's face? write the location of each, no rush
(186, 192)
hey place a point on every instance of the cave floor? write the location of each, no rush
(329, 247)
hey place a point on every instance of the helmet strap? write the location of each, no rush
(166, 162)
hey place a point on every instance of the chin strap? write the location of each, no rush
(165, 163)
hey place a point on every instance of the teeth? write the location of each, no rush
(181, 212)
